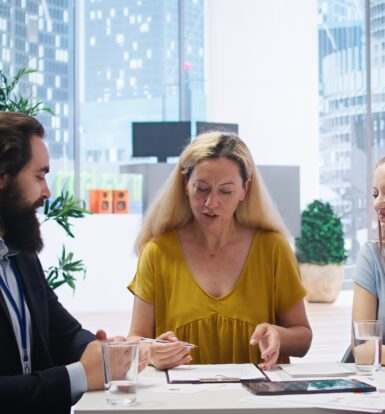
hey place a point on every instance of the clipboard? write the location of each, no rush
(215, 373)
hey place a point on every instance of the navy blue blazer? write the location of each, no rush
(57, 340)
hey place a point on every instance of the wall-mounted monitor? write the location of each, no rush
(216, 126)
(160, 139)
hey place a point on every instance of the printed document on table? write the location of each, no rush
(318, 369)
(371, 402)
(215, 373)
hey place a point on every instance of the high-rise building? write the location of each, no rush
(343, 108)
(38, 34)
(131, 69)
(343, 112)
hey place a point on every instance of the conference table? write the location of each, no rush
(155, 396)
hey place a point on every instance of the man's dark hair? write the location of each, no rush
(16, 130)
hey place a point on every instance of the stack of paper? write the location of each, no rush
(318, 369)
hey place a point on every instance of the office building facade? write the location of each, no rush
(38, 34)
(131, 67)
(344, 109)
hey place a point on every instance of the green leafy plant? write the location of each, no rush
(64, 272)
(322, 236)
(12, 101)
(65, 206)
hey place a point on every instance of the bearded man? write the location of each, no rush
(46, 359)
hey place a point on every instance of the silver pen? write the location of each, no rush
(161, 341)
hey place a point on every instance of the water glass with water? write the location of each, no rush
(120, 364)
(367, 345)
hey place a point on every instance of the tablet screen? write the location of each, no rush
(307, 386)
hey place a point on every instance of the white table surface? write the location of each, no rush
(155, 396)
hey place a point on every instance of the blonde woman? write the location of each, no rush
(369, 273)
(215, 268)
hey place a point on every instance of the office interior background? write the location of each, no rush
(303, 79)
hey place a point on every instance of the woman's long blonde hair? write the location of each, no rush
(171, 208)
(380, 230)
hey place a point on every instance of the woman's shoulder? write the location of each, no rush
(369, 264)
(270, 238)
(164, 242)
(370, 248)
(270, 243)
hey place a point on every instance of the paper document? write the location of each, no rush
(318, 369)
(371, 402)
(215, 373)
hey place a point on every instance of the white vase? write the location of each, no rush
(322, 283)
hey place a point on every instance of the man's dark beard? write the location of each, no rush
(19, 221)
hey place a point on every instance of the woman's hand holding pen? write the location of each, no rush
(269, 341)
(144, 352)
(169, 354)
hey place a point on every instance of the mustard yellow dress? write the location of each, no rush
(269, 285)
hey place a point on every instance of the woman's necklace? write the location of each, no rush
(214, 251)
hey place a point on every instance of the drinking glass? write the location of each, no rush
(120, 364)
(367, 345)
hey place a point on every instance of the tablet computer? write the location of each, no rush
(307, 386)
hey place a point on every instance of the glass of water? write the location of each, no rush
(367, 345)
(120, 364)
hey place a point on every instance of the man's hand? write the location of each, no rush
(93, 367)
(92, 360)
(101, 335)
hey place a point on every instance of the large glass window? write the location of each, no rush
(100, 66)
(130, 71)
(39, 35)
(348, 148)
(377, 39)
(144, 60)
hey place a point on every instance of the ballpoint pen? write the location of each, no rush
(161, 341)
(219, 378)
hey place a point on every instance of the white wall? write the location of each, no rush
(262, 73)
(105, 243)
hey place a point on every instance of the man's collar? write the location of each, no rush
(7, 251)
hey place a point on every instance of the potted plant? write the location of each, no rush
(321, 252)
(65, 206)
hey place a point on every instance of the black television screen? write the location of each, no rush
(216, 126)
(160, 139)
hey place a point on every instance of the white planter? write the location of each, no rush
(323, 283)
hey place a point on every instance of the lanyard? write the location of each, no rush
(20, 313)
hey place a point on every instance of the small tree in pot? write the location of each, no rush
(321, 252)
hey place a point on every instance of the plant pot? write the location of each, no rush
(322, 283)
